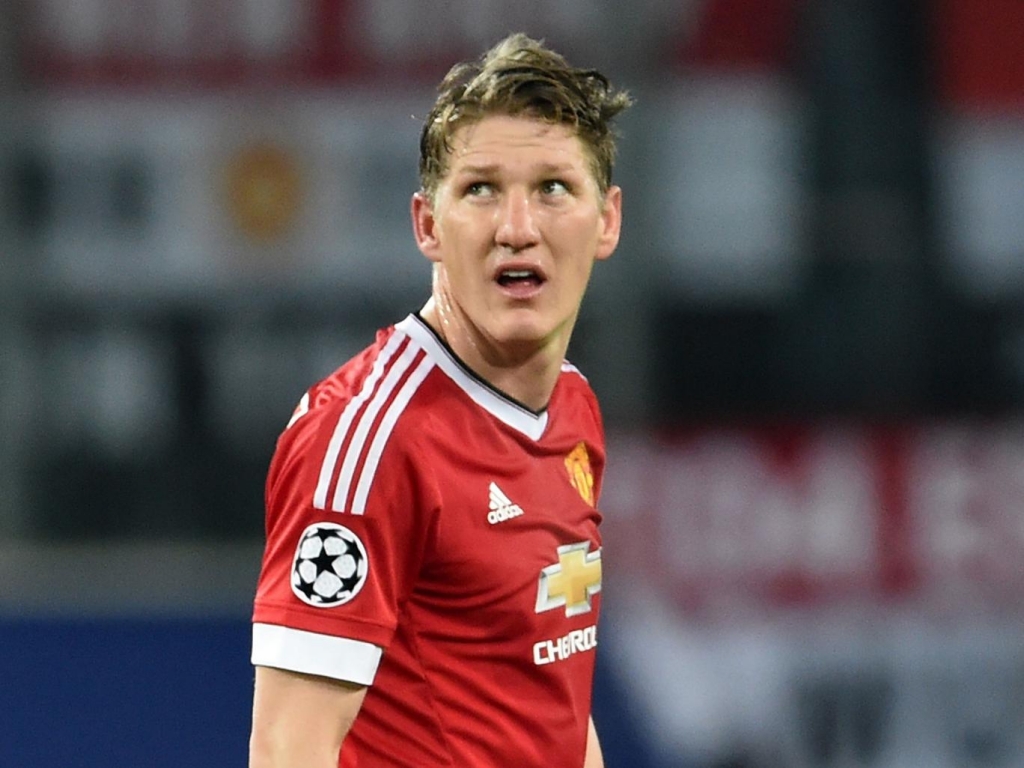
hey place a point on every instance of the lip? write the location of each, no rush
(531, 266)
(520, 291)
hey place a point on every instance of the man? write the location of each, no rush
(430, 586)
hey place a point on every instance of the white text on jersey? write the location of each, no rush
(560, 649)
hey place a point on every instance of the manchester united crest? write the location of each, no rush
(577, 463)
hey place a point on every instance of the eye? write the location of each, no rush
(479, 189)
(554, 187)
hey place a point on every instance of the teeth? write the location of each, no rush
(517, 274)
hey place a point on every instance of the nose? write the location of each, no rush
(517, 226)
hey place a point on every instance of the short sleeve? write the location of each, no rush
(349, 516)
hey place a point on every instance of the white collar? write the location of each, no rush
(503, 408)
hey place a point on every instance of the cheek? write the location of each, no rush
(581, 240)
(461, 237)
(464, 275)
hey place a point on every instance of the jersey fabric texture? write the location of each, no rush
(436, 540)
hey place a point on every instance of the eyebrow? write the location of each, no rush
(490, 169)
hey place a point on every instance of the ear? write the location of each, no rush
(424, 227)
(611, 223)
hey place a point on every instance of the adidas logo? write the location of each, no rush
(502, 508)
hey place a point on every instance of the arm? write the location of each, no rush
(300, 720)
(594, 757)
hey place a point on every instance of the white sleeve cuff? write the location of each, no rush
(314, 654)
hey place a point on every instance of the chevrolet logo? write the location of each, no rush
(572, 581)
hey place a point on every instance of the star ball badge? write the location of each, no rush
(330, 565)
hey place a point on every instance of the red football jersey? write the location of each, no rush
(438, 541)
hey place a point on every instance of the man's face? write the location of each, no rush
(515, 227)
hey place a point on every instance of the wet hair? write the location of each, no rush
(521, 77)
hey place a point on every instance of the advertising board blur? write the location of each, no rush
(835, 594)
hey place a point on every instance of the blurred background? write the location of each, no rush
(809, 348)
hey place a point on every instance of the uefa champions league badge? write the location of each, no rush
(330, 565)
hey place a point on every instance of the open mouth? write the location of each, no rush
(519, 278)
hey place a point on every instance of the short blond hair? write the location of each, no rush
(520, 76)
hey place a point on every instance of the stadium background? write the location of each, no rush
(810, 349)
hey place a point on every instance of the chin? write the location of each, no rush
(522, 332)
(523, 325)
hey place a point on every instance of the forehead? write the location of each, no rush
(502, 139)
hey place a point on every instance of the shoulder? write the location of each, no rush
(342, 425)
(328, 397)
(576, 389)
(384, 373)
(573, 376)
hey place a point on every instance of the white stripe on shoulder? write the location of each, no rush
(568, 367)
(369, 415)
(345, 422)
(384, 432)
(300, 410)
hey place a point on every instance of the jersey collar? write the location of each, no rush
(499, 405)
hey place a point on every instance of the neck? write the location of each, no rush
(526, 372)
